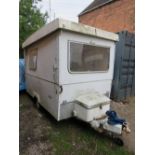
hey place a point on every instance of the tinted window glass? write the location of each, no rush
(33, 60)
(84, 58)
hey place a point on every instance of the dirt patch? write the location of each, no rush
(127, 111)
(33, 130)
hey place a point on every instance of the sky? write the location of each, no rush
(67, 9)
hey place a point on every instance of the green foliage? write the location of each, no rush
(30, 19)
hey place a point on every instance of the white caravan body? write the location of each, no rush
(65, 60)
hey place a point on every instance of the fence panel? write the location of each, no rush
(123, 84)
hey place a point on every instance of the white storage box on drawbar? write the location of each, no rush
(91, 106)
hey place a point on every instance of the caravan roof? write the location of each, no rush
(69, 26)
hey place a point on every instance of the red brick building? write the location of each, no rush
(110, 15)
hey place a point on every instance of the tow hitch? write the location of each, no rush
(94, 109)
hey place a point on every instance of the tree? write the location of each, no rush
(30, 19)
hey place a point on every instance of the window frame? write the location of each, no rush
(35, 50)
(84, 72)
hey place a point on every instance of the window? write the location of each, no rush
(85, 58)
(33, 60)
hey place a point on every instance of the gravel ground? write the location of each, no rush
(41, 134)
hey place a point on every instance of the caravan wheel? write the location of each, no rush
(118, 141)
(37, 103)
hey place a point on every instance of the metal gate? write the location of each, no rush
(123, 84)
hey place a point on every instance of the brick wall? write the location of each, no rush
(114, 17)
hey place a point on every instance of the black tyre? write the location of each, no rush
(118, 141)
(37, 104)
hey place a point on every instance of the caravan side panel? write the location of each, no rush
(42, 72)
